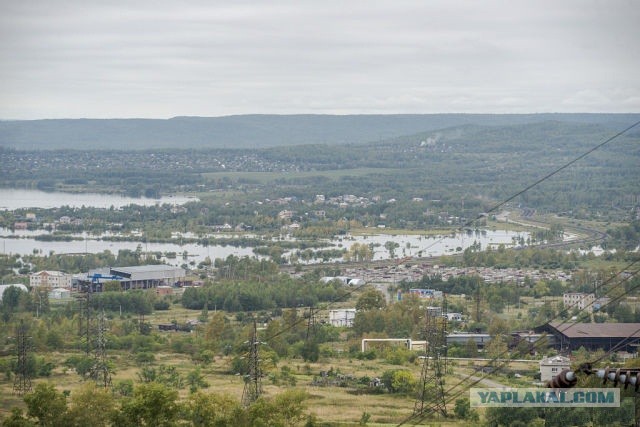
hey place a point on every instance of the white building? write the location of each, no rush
(579, 300)
(59, 293)
(342, 317)
(351, 281)
(50, 279)
(454, 317)
(552, 366)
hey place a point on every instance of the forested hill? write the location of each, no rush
(257, 131)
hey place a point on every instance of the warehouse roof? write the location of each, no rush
(146, 268)
(597, 330)
(148, 272)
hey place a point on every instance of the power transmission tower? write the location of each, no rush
(85, 318)
(311, 325)
(101, 371)
(22, 381)
(253, 383)
(431, 398)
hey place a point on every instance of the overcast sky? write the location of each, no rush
(159, 59)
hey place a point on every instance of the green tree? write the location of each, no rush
(153, 405)
(471, 348)
(47, 405)
(284, 410)
(91, 406)
(358, 252)
(371, 299)
(463, 410)
(310, 351)
(391, 246)
(195, 379)
(507, 417)
(497, 349)
(214, 410)
(399, 381)
(17, 419)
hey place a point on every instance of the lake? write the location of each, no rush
(12, 199)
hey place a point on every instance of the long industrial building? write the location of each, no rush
(592, 336)
(136, 277)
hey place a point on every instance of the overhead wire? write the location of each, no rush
(470, 222)
(492, 209)
(535, 346)
(537, 182)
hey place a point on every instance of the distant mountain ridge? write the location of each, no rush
(259, 131)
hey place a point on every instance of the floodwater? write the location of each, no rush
(12, 199)
(23, 242)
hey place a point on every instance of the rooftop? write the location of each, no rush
(597, 330)
(146, 268)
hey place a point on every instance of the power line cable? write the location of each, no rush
(540, 180)
(500, 356)
(495, 207)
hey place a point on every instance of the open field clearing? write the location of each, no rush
(338, 405)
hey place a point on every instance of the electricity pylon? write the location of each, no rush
(431, 399)
(101, 371)
(22, 381)
(253, 383)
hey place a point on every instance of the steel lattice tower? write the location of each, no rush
(431, 398)
(253, 384)
(311, 325)
(100, 371)
(85, 319)
(22, 381)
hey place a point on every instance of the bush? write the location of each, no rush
(145, 357)
(399, 381)
(161, 305)
(367, 355)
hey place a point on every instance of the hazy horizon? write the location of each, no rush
(161, 59)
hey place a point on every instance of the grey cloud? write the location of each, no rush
(161, 58)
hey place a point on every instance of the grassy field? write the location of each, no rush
(340, 406)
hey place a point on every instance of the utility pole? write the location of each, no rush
(253, 385)
(431, 399)
(22, 381)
